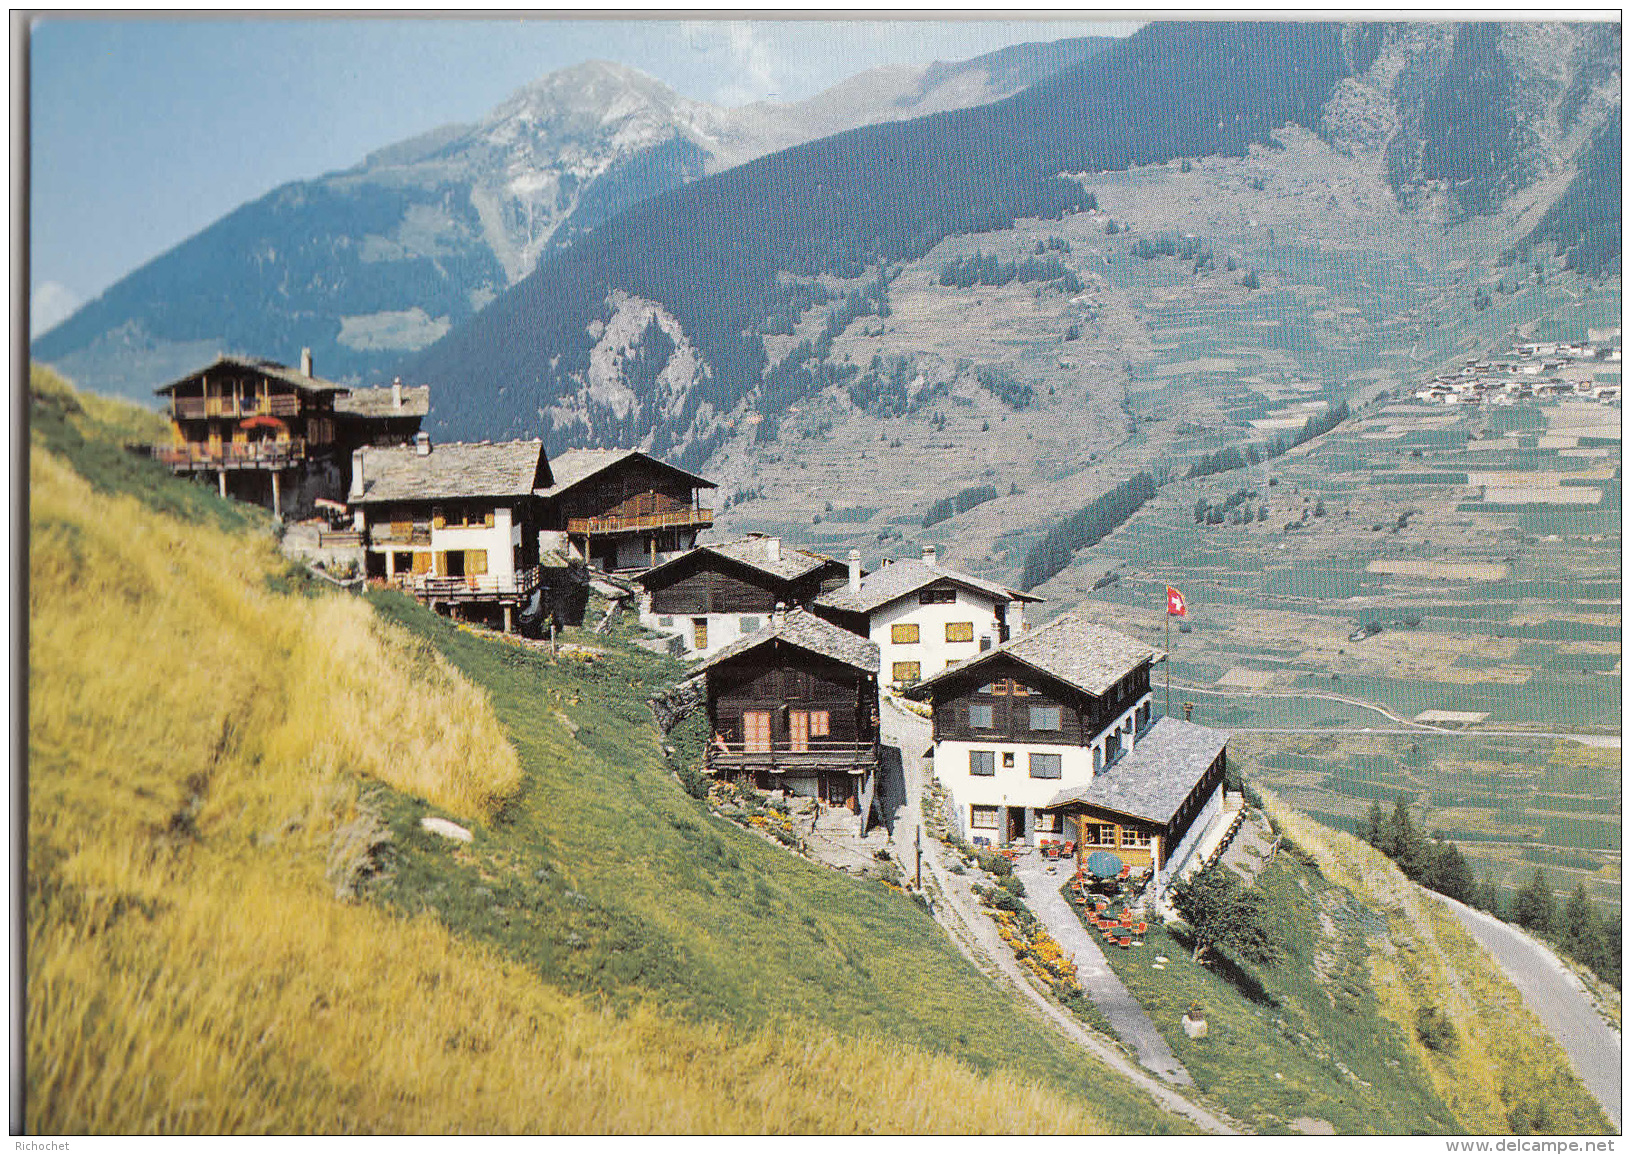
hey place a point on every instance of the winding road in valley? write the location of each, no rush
(1556, 997)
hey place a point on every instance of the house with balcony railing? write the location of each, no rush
(455, 525)
(279, 436)
(265, 430)
(621, 510)
(794, 706)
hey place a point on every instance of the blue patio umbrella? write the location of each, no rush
(1103, 864)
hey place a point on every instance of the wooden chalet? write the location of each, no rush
(794, 706)
(620, 509)
(455, 524)
(1045, 711)
(278, 436)
(382, 415)
(1152, 807)
(267, 431)
(714, 594)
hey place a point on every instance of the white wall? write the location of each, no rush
(496, 539)
(1182, 860)
(723, 629)
(932, 652)
(1013, 785)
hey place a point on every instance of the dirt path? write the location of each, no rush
(975, 935)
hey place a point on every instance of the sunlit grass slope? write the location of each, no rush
(607, 876)
(1505, 1072)
(207, 755)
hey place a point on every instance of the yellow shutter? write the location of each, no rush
(421, 561)
(475, 561)
(438, 521)
(441, 563)
(487, 519)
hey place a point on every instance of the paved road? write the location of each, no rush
(1109, 994)
(1557, 999)
(975, 935)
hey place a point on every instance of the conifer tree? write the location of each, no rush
(1535, 907)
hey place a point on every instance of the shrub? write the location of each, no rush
(1435, 1030)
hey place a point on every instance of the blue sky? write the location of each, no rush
(145, 130)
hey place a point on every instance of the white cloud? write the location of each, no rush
(50, 302)
(752, 68)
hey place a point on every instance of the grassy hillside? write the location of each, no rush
(1503, 1072)
(219, 761)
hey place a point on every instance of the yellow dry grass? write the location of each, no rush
(196, 743)
(1506, 1067)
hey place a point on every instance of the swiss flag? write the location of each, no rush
(1175, 603)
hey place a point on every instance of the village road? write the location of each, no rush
(976, 937)
(1557, 999)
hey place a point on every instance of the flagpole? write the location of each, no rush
(1168, 711)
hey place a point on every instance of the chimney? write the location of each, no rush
(421, 443)
(356, 474)
(928, 555)
(855, 570)
(305, 361)
(774, 545)
(396, 393)
(779, 616)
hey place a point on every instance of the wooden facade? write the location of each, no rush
(703, 582)
(790, 718)
(625, 512)
(1141, 841)
(1004, 700)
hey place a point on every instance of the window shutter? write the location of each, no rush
(475, 561)
(421, 562)
(441, 563)
(487, 519)
(437, 519)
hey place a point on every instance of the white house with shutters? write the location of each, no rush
(923, 616)
(456, 525)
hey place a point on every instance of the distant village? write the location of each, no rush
(1535, 369)
(1045, 738)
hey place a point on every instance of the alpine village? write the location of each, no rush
(1044, 740)
(1075, 591)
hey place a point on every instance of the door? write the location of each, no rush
(1016, 823)
(756, 731)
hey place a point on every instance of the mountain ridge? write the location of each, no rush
(370, 262)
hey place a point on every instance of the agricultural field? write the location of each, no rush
(1483, 549)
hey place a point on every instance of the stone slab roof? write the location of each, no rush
(376, 402)
(1152, 780)
(807, 632)
(902, 578)
(752, 551)
(1071, 648)
(273, 369)
(452, 470)
(576, 466)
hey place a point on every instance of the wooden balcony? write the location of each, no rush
(338, 539)
(196, 408)
(387, 535)
(683, 518)
(474, 588)
(783, 758)
(232, 454)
